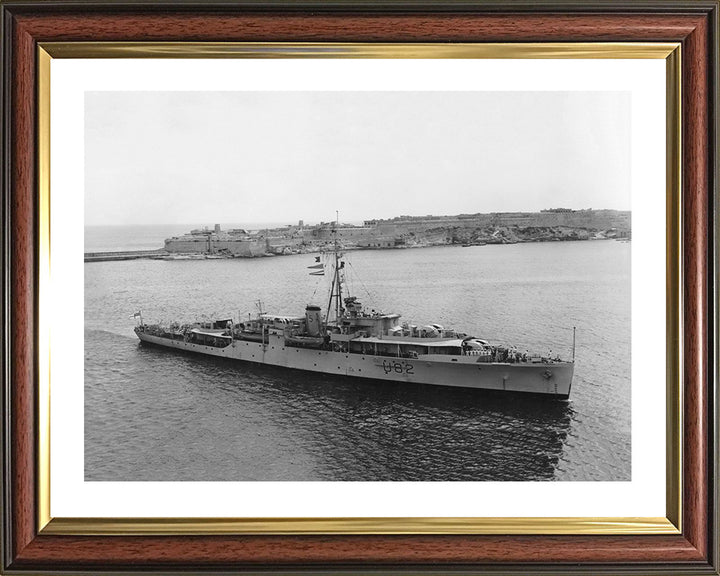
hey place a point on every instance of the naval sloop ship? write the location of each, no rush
(358, 343)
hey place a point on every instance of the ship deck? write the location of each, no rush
(430, 342)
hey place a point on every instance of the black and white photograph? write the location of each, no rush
(357, 286)
(350, 286)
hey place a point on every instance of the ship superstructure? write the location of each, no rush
(349, 340)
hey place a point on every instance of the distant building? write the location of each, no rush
(402, 231)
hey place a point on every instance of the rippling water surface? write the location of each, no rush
(154, 414)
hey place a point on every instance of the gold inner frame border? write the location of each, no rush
(670, 524)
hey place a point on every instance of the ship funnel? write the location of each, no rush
(312, 320)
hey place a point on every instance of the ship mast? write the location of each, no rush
(338, 283)
(336, 287)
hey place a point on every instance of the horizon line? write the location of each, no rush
(313, 222)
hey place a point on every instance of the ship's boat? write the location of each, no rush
(251, 336)
(305, 341)
(351, 341)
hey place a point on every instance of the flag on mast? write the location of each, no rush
(318, 269)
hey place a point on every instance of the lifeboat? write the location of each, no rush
(305, 341)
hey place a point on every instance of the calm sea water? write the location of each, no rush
(152, 414)
(151, 237)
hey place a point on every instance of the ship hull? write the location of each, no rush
(553, 379)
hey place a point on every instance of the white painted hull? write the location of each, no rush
(552, 379)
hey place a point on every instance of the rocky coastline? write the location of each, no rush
(558, 225)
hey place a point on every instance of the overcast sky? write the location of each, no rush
(229, 157)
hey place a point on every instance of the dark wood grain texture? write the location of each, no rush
(360, 28)
(690, 552)
(696, 193)
(22, 278)
(417, 550)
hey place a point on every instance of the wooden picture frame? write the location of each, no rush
(31, 545)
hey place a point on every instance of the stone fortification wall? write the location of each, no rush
(405, 231)
(213, 244)
(588, 219)
(344, 232)
(284, 244)
(243, 248)
(378, 241)
(187, 244)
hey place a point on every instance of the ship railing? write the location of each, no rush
(471, 352)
